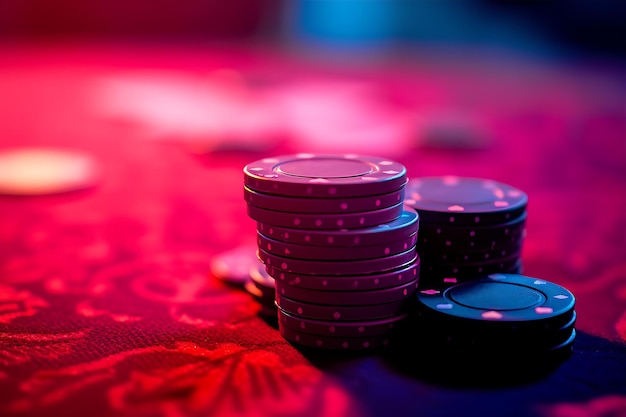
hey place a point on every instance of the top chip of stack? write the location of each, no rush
(469, 226)
(333, 233)
(309, 175)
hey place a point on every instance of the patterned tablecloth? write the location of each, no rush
(107, 303)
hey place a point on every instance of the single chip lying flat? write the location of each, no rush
(40, 171)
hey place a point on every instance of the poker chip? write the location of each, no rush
(296, 251)
(469, 227)
(233, 266)
(263, 281)
(351, 252)
(343, 268)
(527, 317)
(464, 200)
(495, 232)
(344, 283)
(332, 343)
(322, 205)
(32, 171)
(342, 312)
(500, 298)
(368, 297)
(469, 270)
(310, 175)
(380, 327)
(444, 256)
(261, 286)
(266, 309)
(325, 221)
(439, 243)
(404, 226)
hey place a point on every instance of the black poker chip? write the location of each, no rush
(461, 257)
(298, 251)
(468, 270)
(498, 300)
(464, 200)
(325, 175)
(339, 268)
(325, 221)
(365, 328)
(344, 313)
(478, 232)
(307, 340)
(354, 283)
(323, 205)
(402, 227)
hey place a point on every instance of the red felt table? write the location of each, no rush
(107, 303)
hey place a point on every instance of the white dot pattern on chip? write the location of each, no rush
(300, 311)
(331, 329)
(492, 315)
(343, 206)
(324, 283)
(336, 315)
(543, 310)
(446, 306)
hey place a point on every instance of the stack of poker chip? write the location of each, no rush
(469, 227)
(527, 318)
(334, 235)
